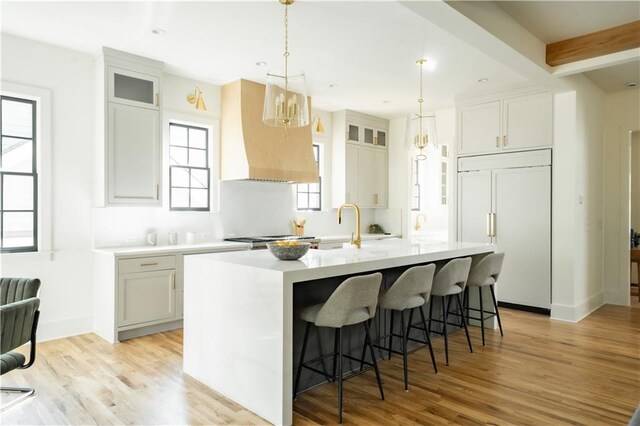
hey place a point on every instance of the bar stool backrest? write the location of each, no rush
(355, 293)
(487, 270)
(456, 271)
(416, 281)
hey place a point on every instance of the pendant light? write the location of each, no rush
(422, 128)
(285, 99)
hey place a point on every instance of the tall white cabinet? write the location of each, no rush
(130, 153)
(506, 199)
(360, 156)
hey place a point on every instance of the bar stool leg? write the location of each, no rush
(466, 330)
(339, 331)
(465, 302)
(495, 306)
(481, 313)
(445, 313)
(373, 358)
(335, 353)
(404, 352)
(304, 349)
(430, 313)
(364, 353)
(391, 333)
(428, 339)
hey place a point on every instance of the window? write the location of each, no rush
(189, 172)
(308, 196)
(415, 203)
(444, 158)
(18, 175)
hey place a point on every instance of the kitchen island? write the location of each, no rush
(238, 312)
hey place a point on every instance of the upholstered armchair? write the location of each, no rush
(18, 323)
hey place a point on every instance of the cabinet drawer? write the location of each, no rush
(142, 264)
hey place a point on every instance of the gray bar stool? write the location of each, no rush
(449, 283)
(353, 302)
(485, 274)
(410, 291)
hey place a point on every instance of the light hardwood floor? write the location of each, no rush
(542, 372)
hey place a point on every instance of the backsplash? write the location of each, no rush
(246, 208)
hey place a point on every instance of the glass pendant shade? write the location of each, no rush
(422, 135)
(285, 100)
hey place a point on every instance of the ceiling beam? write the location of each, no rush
(611, 40)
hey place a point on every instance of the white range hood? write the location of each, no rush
(251, 150)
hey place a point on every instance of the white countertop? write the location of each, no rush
(372, 256)
(364, 237)
(212, 246)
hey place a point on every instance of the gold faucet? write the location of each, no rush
(358, 241)
(417, 225)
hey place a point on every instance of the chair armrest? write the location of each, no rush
(18, 323)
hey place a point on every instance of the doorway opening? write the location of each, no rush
(634, 216)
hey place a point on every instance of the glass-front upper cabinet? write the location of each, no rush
(353, 133)
(133, 88)
(381, 138)
(369, 136)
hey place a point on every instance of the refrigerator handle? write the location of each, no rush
(493, 224)
(489, 229)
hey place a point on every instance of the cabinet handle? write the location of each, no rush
(157, 192)
(497, 141)
(488, 224)
(157, 99)
(149, 264)
(173, 281)
(504, 140)
(375, 140)
(375, 198)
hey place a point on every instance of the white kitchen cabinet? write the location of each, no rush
(129, 130)
(514, 123)
(360, 160)
(133, 157)
(146, 297)
(146, 290)
(133, 88)
(506, 199)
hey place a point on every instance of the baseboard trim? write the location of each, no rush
(151, 329)
(52, 330)
(578, 312)
(533, 309)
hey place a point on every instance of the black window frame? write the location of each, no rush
(415, 200)
(189, 168)
(33, 174)
(300, 187)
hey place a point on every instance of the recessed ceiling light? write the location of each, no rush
(261, 63)
(483, 80)
(386, 101)
(333, 85)
(158, 31)
(632, 84)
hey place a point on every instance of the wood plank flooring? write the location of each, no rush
(541, 372)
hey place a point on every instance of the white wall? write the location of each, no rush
(577, 230)
(66, 279)
(622, 116)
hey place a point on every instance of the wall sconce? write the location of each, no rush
(317, 124)
(197, 99)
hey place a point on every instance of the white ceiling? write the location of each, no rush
(367, 49)
(551, 21)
